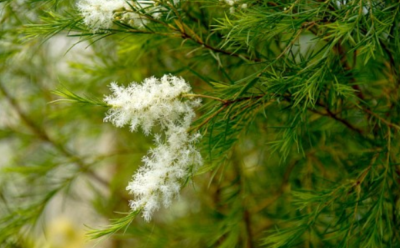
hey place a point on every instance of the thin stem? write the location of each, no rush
(334, 116)
(209, 118)
(183, 34)
(388, 123)
(205, 96)
(227, 102)
(182, 29)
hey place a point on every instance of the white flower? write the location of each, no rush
(134, 19)
(99, 14)
(157, 102)
(233, 3)
(230, 2)
(153, 101)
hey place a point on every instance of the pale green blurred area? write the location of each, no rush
(62, 233)
(48, 151)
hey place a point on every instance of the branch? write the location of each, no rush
(388, 123)
(182, 29)
(329, 113)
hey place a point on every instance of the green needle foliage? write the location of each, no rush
(300, 121)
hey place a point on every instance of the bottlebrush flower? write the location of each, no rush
(175, 157)
(99, 14)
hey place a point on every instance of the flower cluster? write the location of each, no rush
(100, 14)
(233, 3)
(157, 102)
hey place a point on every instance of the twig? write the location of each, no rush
(217, 50)
(334, 116)
(209, 118)
(388, 123)
(205, 96)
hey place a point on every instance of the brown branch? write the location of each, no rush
(205, 96)
(217, 50)
(388, 123)
(329, 113)
(209, 118)
(182, 32)
(225, 103)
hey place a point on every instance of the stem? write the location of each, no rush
(199, 41)
(209, 118)
(205, 96)
(388, 123)
(334, 116)
(183, 34)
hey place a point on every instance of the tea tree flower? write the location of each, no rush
(99, 14)
(158, 102)
(233, 3)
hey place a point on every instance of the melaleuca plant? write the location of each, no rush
(242, 123)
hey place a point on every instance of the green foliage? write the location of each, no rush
(74, 98)
(300, 122)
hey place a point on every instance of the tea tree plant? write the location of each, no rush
(275, 123)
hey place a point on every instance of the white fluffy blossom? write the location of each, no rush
(157, 102)
(153, 101)
(234, 4)
(100, 14)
